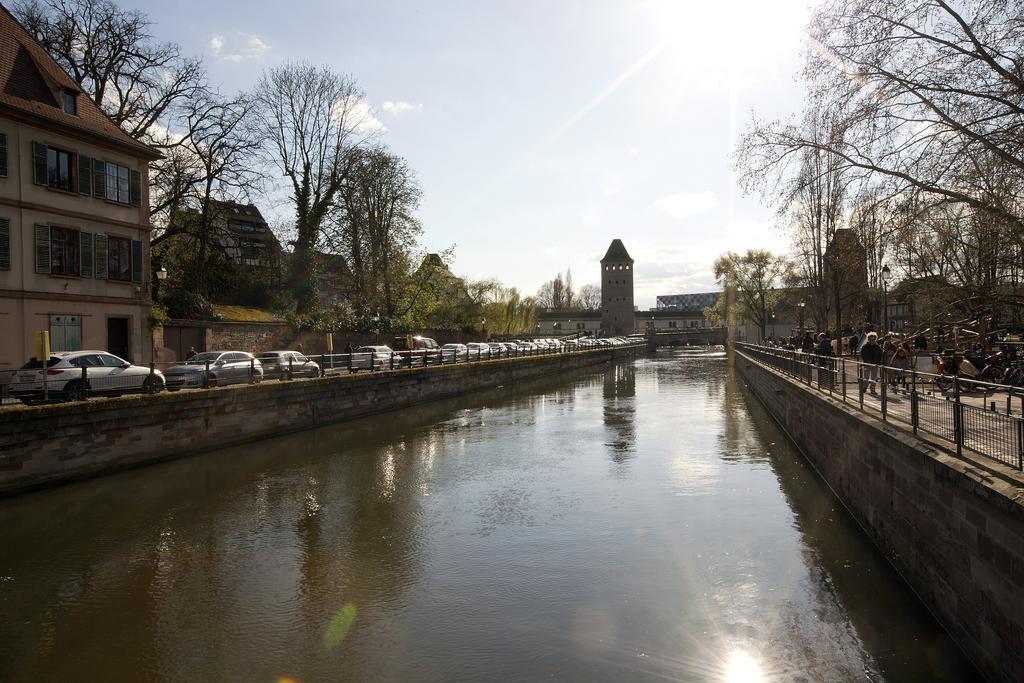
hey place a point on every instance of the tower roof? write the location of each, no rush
(616, 252)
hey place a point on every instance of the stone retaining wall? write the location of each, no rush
(44, 445)
(953, 529)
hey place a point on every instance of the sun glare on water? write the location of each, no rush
(742, 668)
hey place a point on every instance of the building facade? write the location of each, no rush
(617, 310)
(74, 214)
(246, 237)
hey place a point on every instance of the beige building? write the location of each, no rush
(74, 214)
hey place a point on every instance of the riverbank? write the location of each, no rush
(47, 445)
(954, 529)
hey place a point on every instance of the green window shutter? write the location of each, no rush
(135, 187)
(38, 163)
(136, 261)
(84, 174)
(86, 257)
(100, 262)
(3, 155)
(42, 248)
(5, 243)
(99, 179)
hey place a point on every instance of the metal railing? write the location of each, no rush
(970, 414)
(89, 379)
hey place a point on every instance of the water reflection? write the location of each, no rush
(619, 392)
(485, 538)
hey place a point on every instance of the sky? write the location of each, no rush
(540, 131)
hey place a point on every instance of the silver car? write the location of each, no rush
(74, 375)
(454, 353)
(225, 367)
(374, 357)
(478, 351)
(279, 363)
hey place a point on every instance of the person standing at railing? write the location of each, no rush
(871, 355)
(901, 363)
(807, 345)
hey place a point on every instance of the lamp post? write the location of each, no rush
(886, 274)
(161, 275)
(801, 306)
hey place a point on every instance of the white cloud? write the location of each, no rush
(685, 204)
(241, 47)
(634, 151)
(591, 218)
(550, 250)
(400, 106)
(362, 116)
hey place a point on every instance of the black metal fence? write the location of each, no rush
(91, 376)
(970, 414)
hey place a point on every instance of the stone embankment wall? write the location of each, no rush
(953, 529)
(44, 445)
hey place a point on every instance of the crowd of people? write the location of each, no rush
(863, 344)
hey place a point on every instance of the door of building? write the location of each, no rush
(178, 339)
(118, 342)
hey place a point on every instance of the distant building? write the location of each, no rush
(618, 315)
(846, 275)
(245, 235)
(690, 303)
(617, 312)
(74, 214)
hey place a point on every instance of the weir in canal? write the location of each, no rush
(637, 521)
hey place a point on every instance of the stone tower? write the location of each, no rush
(617, 316)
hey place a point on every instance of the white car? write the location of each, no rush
(104, 374)
(499, 349)
(478, 351)
(454, 353)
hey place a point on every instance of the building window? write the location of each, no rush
(58, 169)
(63, 251)
(119, 258)
(65, 332)
(117, 183)
(70, 103)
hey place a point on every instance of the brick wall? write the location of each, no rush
(51, 444)
(952, 528)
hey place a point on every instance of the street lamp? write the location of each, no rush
(801, 306)
(886, 274)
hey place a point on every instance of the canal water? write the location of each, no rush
(639, 521)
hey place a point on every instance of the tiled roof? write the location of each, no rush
(233, 211)
(616, 252)
(693, 303)
(28, 77)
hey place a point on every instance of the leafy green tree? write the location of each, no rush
(751, 279)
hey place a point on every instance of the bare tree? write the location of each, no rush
(310, 118)
(110, 53)
(928, 96)
(589, 298)
(376, 227)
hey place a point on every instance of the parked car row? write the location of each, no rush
(78, 375)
